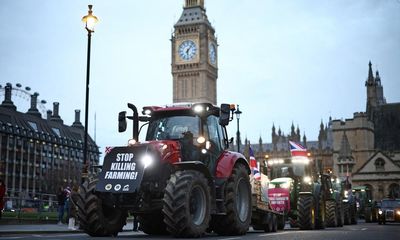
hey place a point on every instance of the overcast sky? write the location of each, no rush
(281, 61)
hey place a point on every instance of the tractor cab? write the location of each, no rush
(297, 168)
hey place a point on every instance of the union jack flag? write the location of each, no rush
(297, 150)
(253, 165)
(108, 150)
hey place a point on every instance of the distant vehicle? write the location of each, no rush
(389, 211)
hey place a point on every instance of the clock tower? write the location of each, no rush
(194, 56)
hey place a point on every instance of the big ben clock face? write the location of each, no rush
(212, 53)
(187, 50)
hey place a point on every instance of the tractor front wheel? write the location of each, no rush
(187, 204)
(331, 214)
(306, 212)
(97, 218)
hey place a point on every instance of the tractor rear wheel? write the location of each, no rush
(321, 204)
(187, 204)
(346, 213)
(281, 222)
(97, 218)
(353, 214)
(237, 203)
(306, 212)
(340, 212)
(331, 214)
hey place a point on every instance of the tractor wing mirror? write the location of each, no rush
(224, 114)
(122, 121)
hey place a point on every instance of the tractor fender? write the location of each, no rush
(227, 161)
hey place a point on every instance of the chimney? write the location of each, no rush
(77, 123)
(33, 110)
(49, 112)
(55, 117)
(8, 103)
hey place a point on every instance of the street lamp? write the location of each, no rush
(90, 21)
(237, 113)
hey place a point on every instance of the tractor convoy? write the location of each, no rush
(184, 181)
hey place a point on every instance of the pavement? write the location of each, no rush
(6, 229)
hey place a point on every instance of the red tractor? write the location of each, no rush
(182, 180)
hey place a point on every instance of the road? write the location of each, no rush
(364, 231)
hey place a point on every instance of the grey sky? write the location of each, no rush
(281, 61)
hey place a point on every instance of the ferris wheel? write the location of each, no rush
(21, 97)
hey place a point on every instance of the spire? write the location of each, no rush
(370, 79)
(377, 78)
(304, 140)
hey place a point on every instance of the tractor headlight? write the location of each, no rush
(307, 179)
(346, 194)
(131, 142)
(147, 160)
(398, 212)
(380, 212)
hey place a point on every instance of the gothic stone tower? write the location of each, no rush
(194, 56)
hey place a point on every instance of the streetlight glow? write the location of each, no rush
(90, 20)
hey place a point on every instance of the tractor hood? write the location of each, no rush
(279, 194)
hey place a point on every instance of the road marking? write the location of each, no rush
(272, 234)
(229, 238)
(363, 229)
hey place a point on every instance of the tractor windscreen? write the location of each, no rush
(290, 169)
(173, 127)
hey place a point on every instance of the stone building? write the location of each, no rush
(365, 149)
(194, 56)
(38, 155)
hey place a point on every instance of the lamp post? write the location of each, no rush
(90, 21)
(237, 113)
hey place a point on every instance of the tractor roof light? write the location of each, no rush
(301, 160)
(198, 108)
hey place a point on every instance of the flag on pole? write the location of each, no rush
(253, 165)
(297, 150)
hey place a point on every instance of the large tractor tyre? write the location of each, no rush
(321, 207)
(237, 203)
(306, 212)
(95, 218)
(268, 225)
(340, 216)
(331, 214)
(152, 224)
(368, 215)
(281, 222)
(187, 204)
(274, 223)
(353, 214)
(346, 213)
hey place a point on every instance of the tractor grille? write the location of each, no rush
(389, 215)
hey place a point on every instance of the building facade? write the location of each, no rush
(38, 155)
(364, 149)
(194, 56)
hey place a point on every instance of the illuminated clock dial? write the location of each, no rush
(187, 50)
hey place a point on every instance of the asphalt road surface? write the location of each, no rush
(363, 231)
